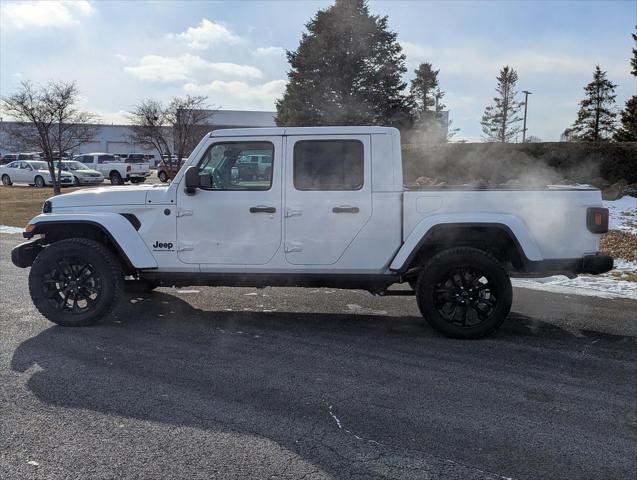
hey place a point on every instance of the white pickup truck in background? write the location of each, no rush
(332, 211)
(116, 171)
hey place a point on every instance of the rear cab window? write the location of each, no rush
(328, 165)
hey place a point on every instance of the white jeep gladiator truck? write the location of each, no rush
(115, 170)
(332, 212)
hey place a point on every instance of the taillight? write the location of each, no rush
(597, 219)
(128, 169)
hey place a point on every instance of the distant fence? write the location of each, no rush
(527, 163)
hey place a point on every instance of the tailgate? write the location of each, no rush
(140, 167)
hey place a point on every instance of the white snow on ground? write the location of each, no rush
(623, 214)
(6, 229)
(607, 285)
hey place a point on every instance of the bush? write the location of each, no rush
(529, 163)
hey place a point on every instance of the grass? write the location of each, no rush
(19, 204)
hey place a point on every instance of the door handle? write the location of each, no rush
(262, 209)
(345, 209)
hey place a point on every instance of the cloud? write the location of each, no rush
(269, 51)
(237, 94)
(44, 14)
(470, 60)
(157, 68)
(208, 34)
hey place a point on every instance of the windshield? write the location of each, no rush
(73, 166)
(39, 165)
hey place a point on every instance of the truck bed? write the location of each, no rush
(553, 217)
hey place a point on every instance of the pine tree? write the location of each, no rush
(425, 90)
(499, 122)
(628, 130)
(596, 117)
(346, 71)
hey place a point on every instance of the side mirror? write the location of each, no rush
(192, 180)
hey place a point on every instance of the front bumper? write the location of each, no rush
(23, 255)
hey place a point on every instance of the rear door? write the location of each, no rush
(327, 197)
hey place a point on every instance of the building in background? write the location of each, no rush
(118, 139)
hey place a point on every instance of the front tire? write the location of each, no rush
(464, 293)
(39, 182)
(76, 181)
(75, 282)
(6, 181)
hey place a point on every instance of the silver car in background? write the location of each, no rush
(82, 175)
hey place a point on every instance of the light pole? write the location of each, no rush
(526, 102)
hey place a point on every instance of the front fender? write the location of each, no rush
(515, 227)
(118, 228)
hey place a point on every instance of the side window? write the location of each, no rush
(13, 165)
(105, 158)
(24, 166)
(328, 165)
(224, 167)
(86, 159)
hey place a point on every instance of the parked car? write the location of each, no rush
(167, 170)
(33, 172)
(333, 213)
(82, 175)
(116, 171)
(8, 158)
(30, 156)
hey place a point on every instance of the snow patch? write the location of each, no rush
(11, 230)
(623, 214)
(607, 285)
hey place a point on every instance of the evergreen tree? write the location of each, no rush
(430, 124)
(346, 71)
(628, 130)
(500, 120)
(425, 90)
(596, 117)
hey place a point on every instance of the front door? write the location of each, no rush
(234, 218)
(327, 196)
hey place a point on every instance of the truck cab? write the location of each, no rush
(331, 211)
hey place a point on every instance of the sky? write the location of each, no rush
(119, 52)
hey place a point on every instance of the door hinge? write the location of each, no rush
(184, 212)
(291, 212)
(293, 247)
(184, 246)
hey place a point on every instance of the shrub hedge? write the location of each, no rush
(528, 163)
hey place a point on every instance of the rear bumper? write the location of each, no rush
(23, 255)
(591, 264)
(596, 264)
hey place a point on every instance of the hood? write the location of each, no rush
(102, 196)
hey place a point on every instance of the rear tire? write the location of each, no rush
(116, 178)
(6, 180)
(39, 182)
(464, 293)
(75, 282)
(163, 177)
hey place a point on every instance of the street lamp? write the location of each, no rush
(526, 102)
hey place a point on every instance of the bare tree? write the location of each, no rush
(47, 119)
(170, 129)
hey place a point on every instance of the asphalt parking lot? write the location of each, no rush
(290, 383)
